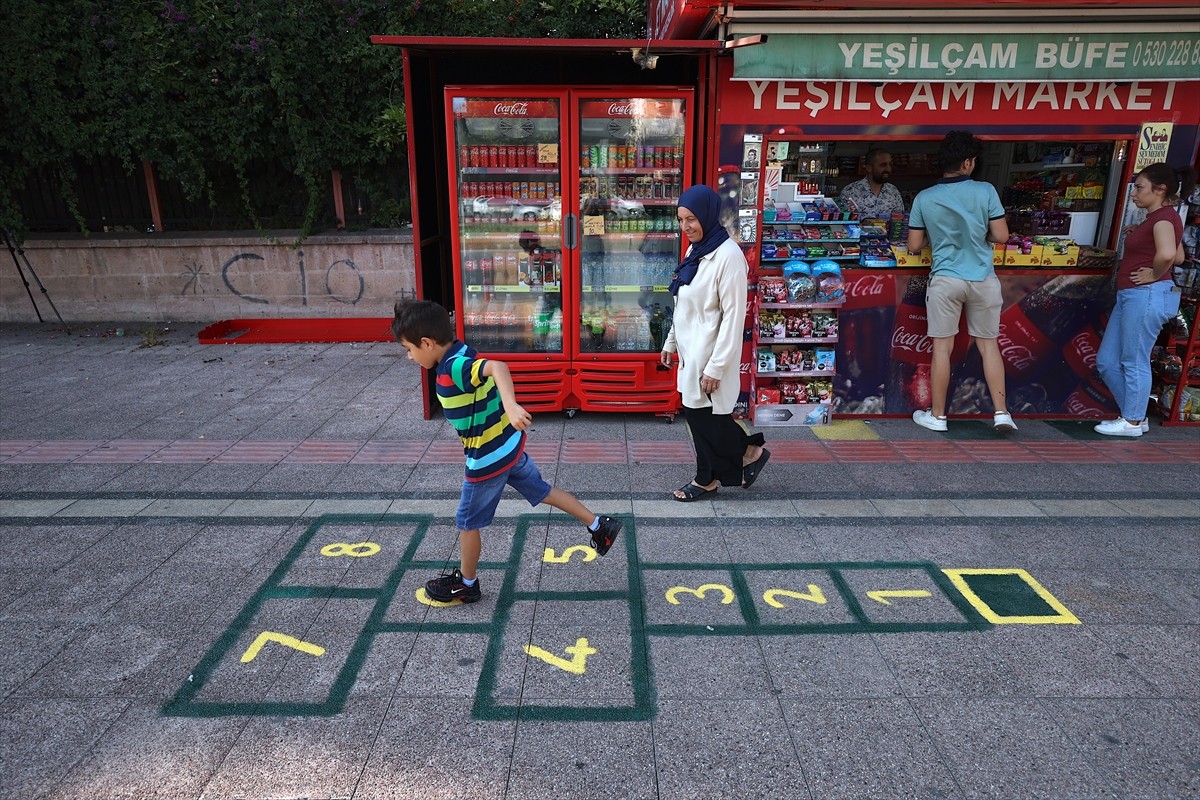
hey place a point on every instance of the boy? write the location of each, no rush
(478, 399)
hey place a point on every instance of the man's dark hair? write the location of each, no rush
(957, 147)
(422, 319)
(874, 153)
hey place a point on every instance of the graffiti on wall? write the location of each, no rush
(342, 280)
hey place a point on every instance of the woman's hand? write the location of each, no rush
(709, 385)
(1143, 275)
(664, 358)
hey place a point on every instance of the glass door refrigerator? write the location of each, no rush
(507, 178)
(565, 239)
(632, 156)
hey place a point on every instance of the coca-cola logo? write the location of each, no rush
(1084, 345)
(913, 342)
(620, 110)
(870, 286)
(1019, 357)
(511, 109)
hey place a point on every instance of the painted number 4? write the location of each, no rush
(577, 664)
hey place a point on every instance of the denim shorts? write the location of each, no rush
(479, 500)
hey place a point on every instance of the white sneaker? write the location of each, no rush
(1003, 421)
(1119, 427)
(1145, 426)
(926, 419)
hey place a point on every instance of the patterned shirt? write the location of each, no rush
(871, 205)
(473, 407)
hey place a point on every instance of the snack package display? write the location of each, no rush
(831, 287)
(825, 358)
(800, 285)
(772, 290)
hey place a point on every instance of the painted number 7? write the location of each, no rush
(283, 639)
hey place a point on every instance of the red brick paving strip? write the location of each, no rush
(390, 453)
(128, 451)
(189, 452)
(58, 452)
(312, 452)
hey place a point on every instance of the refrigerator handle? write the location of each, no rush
(570, 231)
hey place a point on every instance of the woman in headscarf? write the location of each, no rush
(709, 287)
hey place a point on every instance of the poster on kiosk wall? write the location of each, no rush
(1053, 311)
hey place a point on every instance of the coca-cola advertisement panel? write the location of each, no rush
(1050, 329)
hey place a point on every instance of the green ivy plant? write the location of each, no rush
(194, 86)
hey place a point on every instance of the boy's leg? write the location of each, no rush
(470, 545)
(565, 501)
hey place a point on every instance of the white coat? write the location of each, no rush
(710, 316)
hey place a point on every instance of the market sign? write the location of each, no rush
(972, 57)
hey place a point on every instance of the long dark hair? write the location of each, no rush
(1179, 181)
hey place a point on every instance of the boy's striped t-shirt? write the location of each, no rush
(472, 404)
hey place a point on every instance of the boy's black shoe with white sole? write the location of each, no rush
(604, 536)
(448, 588)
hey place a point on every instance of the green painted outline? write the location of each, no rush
(485, 706)
(644, 696)
(183, 703)
(972, 619)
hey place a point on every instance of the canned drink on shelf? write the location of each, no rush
(514, 160)
(612, 155)
(597, 161)
(585, 158)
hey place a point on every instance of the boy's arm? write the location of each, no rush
(498, 371)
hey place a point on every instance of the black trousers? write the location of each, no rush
(720, 444)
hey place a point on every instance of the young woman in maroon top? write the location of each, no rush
(1146, 295)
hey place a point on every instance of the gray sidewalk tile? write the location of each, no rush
(752, 507)
(356, 507)
(1140, 507)
(1001, 749)
(998, 508)
(867, 748)
(700, 748)
(32, 508)
(147, 754)
(1143, 747)
(44, 738)
(181, 507)
(828, 665)
(402, 766)
(277, 752)
(266, 508)
(1165, 656)
(835, 508)
(916, 508)
(1068, 661)
(946, 664)
(1097, 507)
(554, 760)
(104, 508)
(699, 509)
(698, 667)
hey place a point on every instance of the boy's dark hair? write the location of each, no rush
(957, 147)
(422, 319)
(1179, 182)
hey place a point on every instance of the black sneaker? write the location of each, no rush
(604, 536)
(448, 588)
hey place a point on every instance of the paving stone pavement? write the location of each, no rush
(211, 560)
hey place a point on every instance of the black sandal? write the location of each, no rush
(750, 471)
(692, 493)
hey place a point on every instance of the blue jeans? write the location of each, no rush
(1133, 327)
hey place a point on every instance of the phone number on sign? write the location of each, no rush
(1163, 52)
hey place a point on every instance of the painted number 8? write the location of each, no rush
(356, 550)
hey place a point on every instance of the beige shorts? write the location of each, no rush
(946, 297)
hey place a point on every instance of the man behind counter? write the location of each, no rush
(873, 196)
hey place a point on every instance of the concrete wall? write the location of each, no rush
(209, 277)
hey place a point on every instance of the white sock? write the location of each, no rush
(595, 526)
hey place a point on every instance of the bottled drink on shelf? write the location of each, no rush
(555, 339)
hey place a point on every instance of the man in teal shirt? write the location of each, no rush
(960, 217)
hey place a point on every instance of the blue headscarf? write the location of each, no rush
(706, 205)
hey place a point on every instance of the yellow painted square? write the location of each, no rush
(1063, 617)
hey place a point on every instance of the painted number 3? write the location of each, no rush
(355, 550)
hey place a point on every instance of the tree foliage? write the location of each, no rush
(194, 85)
